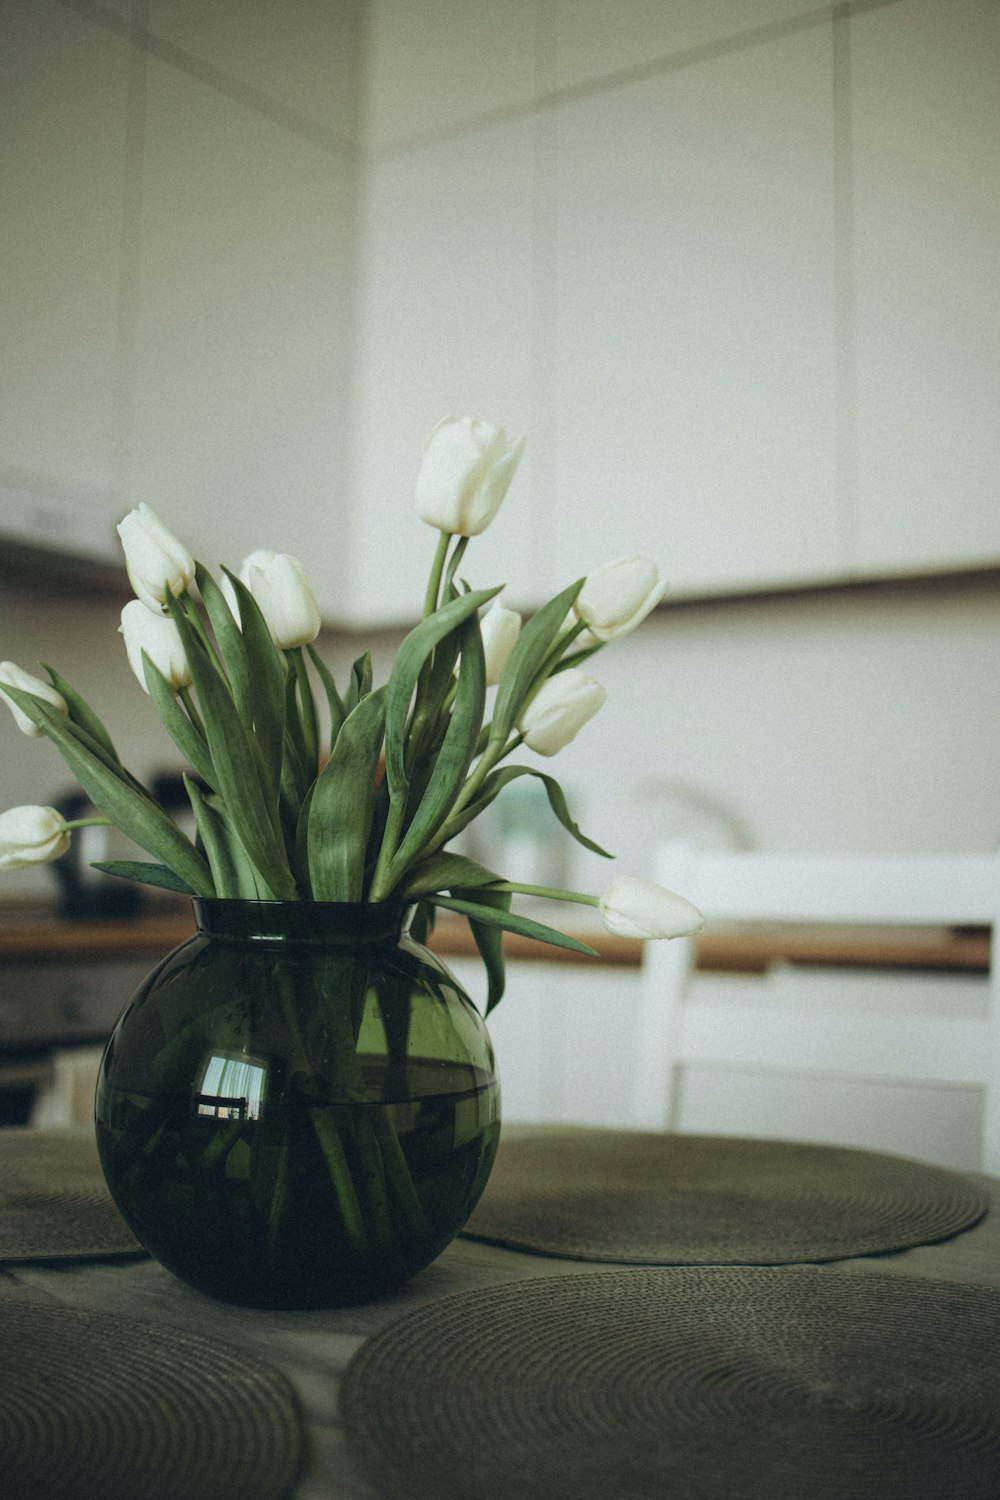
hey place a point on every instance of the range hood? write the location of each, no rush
(77, 527)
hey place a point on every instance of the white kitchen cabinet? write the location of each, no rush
(64, 87)
(240, 410)
(925, 127)
(445, 316)
(433, 66)
(692, 325)
(590, 39)
(295, 55)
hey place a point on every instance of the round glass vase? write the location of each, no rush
(299, 1106)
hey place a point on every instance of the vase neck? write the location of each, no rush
(342, 922)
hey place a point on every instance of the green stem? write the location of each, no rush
(550, 893)
(495, 751)
(437, 568)
(456, 558)
(86, 823)
(184, 694)
(380, 887)
(327, 1134)
(307, 707)
(198, 626)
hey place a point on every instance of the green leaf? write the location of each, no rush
(343, 802)
(421, 922)
(453, 760)
(495, 783)
(414, 651)
(189, 741)
(445, 871)
(145, 873)
(249, 883)
(215, 843)
(361, 681)
(338, 713)
(527, 658)
(301, 711)
(255, 666)
(511, 922)
(82, 714)
(120, 798)
(489, 942)
(252, 805)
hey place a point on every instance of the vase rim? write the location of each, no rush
(299, 921)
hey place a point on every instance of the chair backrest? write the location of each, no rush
(819, 1042)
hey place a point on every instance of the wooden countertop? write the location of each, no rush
(33, 935)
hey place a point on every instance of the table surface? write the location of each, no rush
(313, 1348)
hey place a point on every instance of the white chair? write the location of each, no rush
(891, 1059)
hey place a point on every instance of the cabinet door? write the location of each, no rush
(294, 58)
(693, 327)
(444, 327)
(926, 145)
(243, 327)
(64, 87)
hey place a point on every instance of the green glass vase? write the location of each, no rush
(298, 1107)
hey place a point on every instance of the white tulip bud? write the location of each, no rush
(15, 676)
(157, 563)
(638, 908)
(286, 601)
(31, 836)
(465, 473)
(159, 637)
(500, 629)
(617, 597)
(559, 710)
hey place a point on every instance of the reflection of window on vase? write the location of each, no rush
(232, 1087)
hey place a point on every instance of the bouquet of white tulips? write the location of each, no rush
(365, 810)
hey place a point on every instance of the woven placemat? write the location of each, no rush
(54, 1204)
(661, 1199)
(94, 1405)
(693, 1383)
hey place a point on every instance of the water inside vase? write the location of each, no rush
(271, 1203)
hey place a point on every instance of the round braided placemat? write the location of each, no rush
(54, 1204)
(93, 1405)
(663, 1199)
(693, 1383)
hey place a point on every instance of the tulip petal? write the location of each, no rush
(638, 908)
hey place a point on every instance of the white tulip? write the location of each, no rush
(500, 629)
(159, 637)
(465, 473)
(617, 597)
(155, 560)
(638, 908)
(15, 676)
(559, 709)
(279, 585)
(31, 836)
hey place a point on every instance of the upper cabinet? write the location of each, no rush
(238, 431)
(435, 65)
(925, 127)
(730, 267)
(692, 319)
(294, 59)
(65, 100)
(445, 316)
